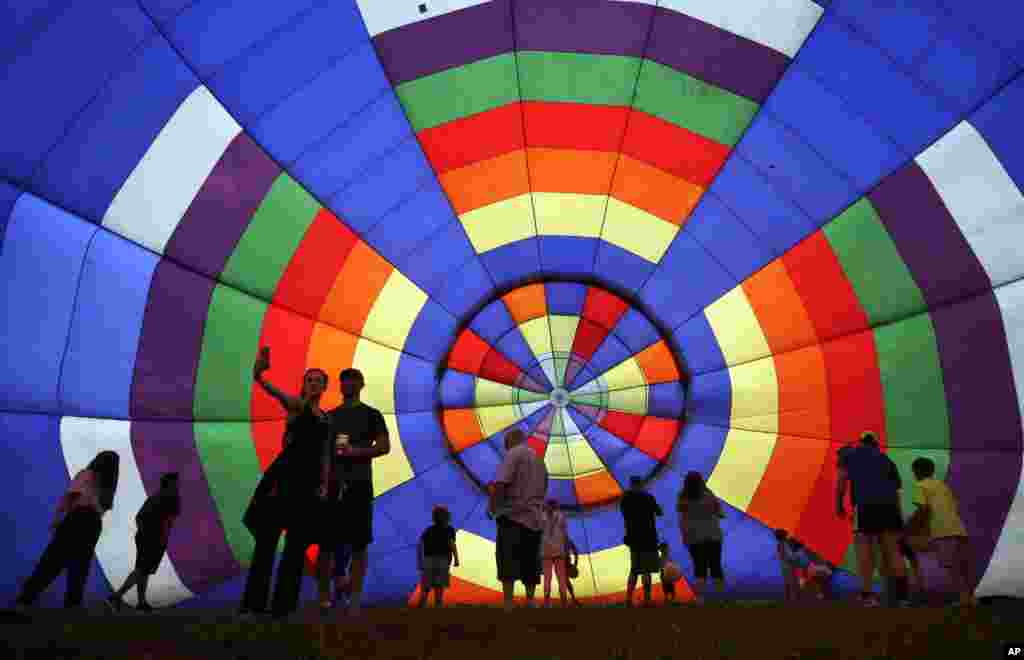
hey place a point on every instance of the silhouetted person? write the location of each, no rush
(639, 510)
(153, 530)
(436, 554)
(555, 541)
(699, 516)
(90, 495)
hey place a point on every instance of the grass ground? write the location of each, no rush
(736, 630)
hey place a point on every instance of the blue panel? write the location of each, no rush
(465, 288)
(610, 353)
(22, 21)
(687, 281)
(749, 558)
(390, 535)
(382, 186)
(565, 298)
(482, 459)
(582, 419)
(727, 239)
(414, 385)
(697, 449)
(35, 327)
(965, 68)
(697, 346)
(8, 196)
(422, 439)
(562, 491)
(401, 231)
(458, 390)
(312, 113)
(604, 529)
(432, 332)
(106, 142)
(392, 580)
(33, 477)
(903, 29)
(228, 591)
(607, 446)
(356, 143)
(433, 262)
(480, 524)
(164, 10)
(406, 509)
(844, 138)
(492, 322)
(60, 72)
(578, 535)
(211, 33)
(97, 377)
(630, 464)
(448, 484)
(665, 400)
(998, 121)
(255, 81)
(777, 223)
(620, 268)
(710, 398)
(999, 20)
(871, 86)
(568, 256)
(513, 263)
(636, 331)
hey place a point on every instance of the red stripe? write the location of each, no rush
(623, 425)
(313, 268)
(475, 138)
(656, 437)
(574, 125)
(686, 154)
(603, 308)
(589, 336)
(499, 368)
(468, 353)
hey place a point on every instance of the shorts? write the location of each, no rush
(149, 552)
(642, 562)
(873, 519)
(948, 550)
(518, 553)
(436, 571)
(350, 519)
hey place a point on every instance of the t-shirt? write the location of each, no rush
(526, 483)
(874, 478)
(155, 513)
(555, 534)
(700, 521)
(945, 513)
(362, 424)
(437, 540)
(639, 509)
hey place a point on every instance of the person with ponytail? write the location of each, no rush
(77, 525)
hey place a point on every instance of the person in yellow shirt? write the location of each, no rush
(939, 513)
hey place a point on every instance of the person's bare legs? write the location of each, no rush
(508, 588)
(863, 547)
(324, 568)
(560, 573)
(438, 596)
(531, 593)
(549, 565)
(424, 592)
(961, 574)
(630, 587)
(142, 583)
(358, 573)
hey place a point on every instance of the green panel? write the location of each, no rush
(557, 426)
(872, 264)
(693, 104)
(526, 396)
(490, 393)
(232, 470)
(633, 400)
(577, 78)
(595, 399)
(273, 236)
(459, 92)
(230, 342)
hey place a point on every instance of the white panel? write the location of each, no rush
(1005, 573)
(595, 386)
(81, 439)
(383, 15)
(570, 424)
(160, 189)
(779, 24)
(981, 196)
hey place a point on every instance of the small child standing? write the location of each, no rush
(819, 575)
(437, 551)
(153, 521)
(938, 512)
(787, 564)
(670, 574)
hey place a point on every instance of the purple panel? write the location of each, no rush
(582, 26)
(544, 426)
(198, 545)
(666, 400)
(220, 213)
(985, 424)
(448, 41)
(172, 336)
(715, 56)
(927, 237)
(593, 412)
(527, 383)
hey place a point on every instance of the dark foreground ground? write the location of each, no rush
(737, 630)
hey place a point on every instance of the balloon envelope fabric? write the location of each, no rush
(658, 236)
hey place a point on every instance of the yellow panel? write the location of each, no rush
(763, 423)
(736, 328)
(396, 309)
(563, 331)
(494, 419)
(537, 333)
(755, 393)
(476, 561)
(584, 460)
(490, 393)
(645, 235)
(556, 458)
(741, 465)
(498, 224)
(611, 568)
(393, 469)
(633, 400)
(565, 214)
(625, 375)
(379, 365)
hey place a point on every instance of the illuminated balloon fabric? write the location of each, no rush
(200, 179)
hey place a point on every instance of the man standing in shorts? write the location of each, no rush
(639, 510)
(360, 436)
(517, 500)
(875, 492)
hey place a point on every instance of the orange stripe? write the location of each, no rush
(596, 488)
(656, 191)
(331, 350)
(314, 266)
(486, 182)
(779, 308)
(787, 484)
(571, 171)
(657, 363)
(526, 303)
(356, 289)
(461, 427)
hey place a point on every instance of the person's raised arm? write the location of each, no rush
(289, 403)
